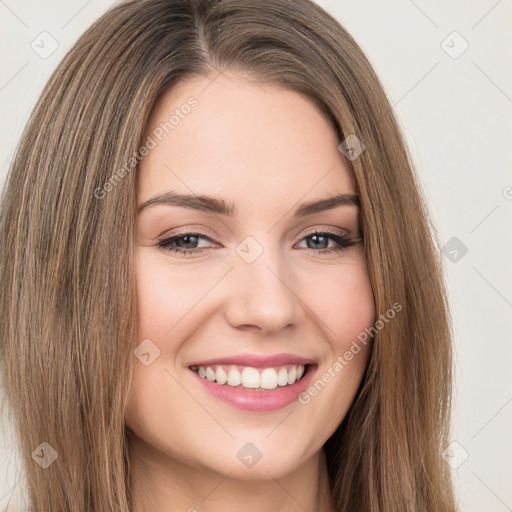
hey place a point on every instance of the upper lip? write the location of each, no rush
(256, 360)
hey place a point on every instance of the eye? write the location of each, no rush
(320, 242)
(185, 243)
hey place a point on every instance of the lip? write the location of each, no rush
(257, 401)
(256, 360)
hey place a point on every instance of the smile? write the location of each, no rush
(253, 382)
(251, 378)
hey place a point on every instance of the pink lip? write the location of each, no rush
(256, 360)
(258, 401)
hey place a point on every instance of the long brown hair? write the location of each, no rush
(67, 224)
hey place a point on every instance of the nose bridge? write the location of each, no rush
(261, 288)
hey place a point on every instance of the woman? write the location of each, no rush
(220, 288)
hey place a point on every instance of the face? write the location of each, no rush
(249, 295)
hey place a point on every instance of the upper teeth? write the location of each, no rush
(248, 377)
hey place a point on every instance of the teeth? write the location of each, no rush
(252, 378)
(210, 374)
(292, 375)
(234, 377)
(221, 376)
(268, 378)
(282, 377)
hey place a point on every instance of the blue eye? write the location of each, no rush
(190, 243)
(186, 243)
(323, 237)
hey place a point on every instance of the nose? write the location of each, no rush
(262, 296)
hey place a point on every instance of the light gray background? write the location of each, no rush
(455, 113)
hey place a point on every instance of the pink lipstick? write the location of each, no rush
(255, 382)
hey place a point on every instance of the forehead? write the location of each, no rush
(225, 134)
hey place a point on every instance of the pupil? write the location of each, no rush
(185, 241)
(315, 240)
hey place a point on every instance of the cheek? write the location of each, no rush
(355, 308)
(158, 300)
(343, 302)
(166, 294)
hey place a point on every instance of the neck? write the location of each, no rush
(161, 483)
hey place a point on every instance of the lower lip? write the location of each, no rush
(258, 401)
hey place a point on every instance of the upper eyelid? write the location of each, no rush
(304, 232)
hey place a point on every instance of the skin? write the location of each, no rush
(268, 150)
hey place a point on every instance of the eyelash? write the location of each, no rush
(343, 242)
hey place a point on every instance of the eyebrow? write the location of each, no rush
(211, 204)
